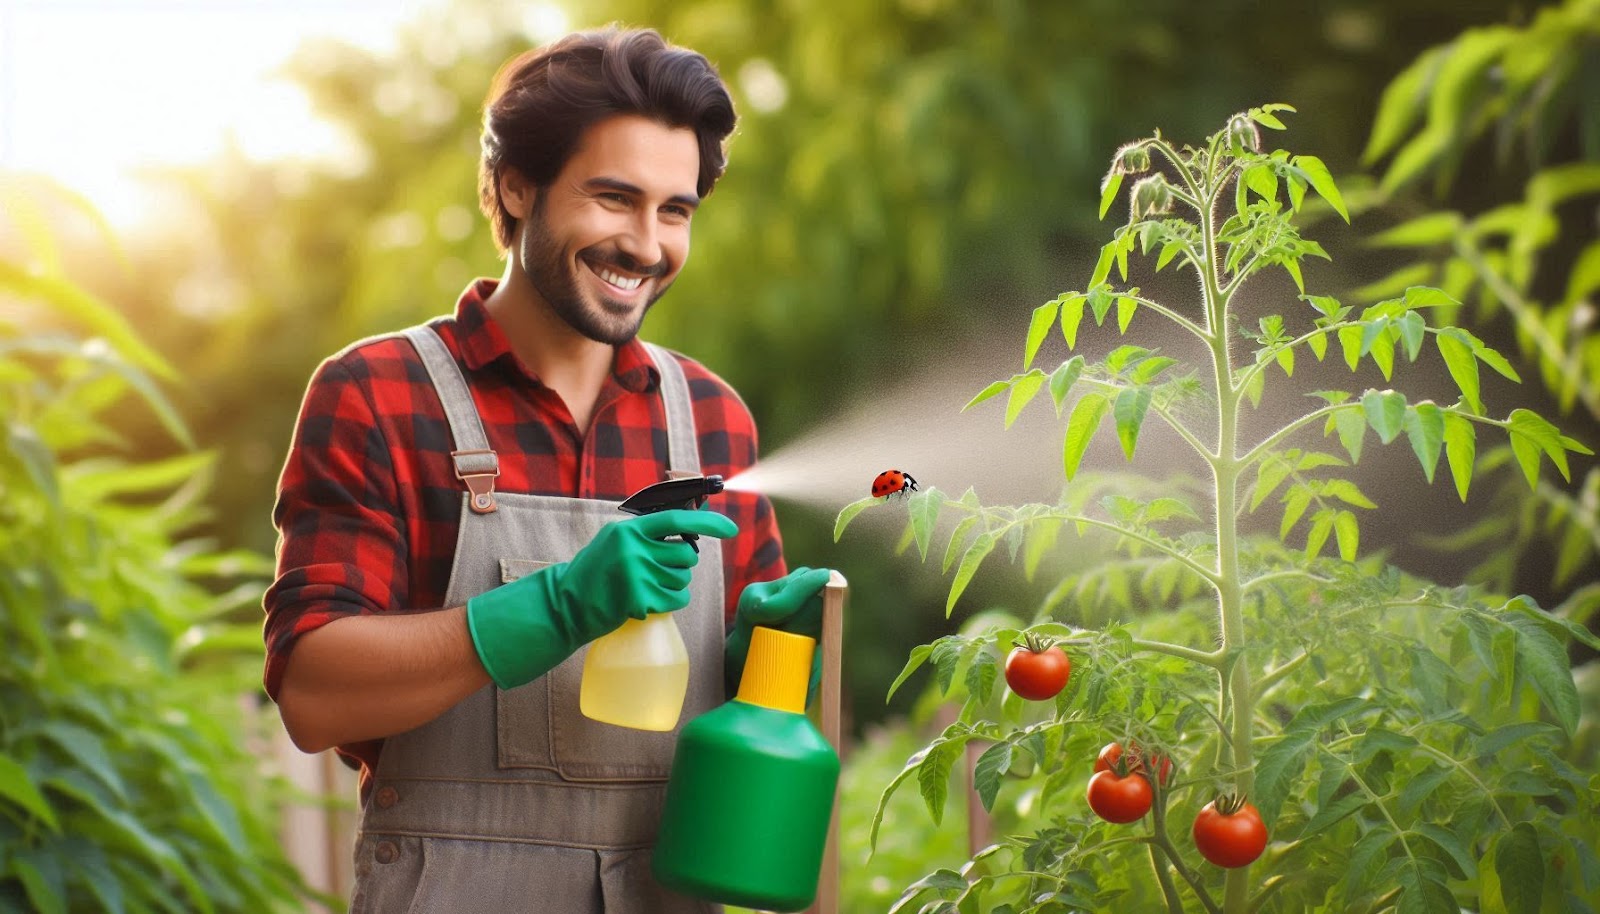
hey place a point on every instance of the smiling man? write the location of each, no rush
(448, 534)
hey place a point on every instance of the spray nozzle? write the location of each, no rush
(688, 492)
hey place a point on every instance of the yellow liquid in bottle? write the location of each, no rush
(636, 676)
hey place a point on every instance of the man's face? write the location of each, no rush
(610, 233)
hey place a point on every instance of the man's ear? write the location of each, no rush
(517, 193)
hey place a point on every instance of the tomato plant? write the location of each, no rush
(1229, 832)
(1119, 797)
(1402, 740)
(1036, 669)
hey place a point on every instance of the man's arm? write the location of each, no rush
(372, 676)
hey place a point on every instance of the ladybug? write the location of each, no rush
(892, 481)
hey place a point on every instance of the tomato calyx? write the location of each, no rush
(1034, 642)
(1230, 803)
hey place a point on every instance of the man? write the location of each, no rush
(475, 464)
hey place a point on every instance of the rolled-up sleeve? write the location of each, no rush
(341, 544)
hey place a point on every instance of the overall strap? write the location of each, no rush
(475, 464)
(683, 445)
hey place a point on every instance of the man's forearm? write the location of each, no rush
(368, 677)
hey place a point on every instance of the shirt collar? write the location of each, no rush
(482, 343)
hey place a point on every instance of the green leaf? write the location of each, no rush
(1402, 103)
(1460, 450)
(1451, 843)
(1427, 297)
(1496, 361)
(1132, 402)
(1352, 427)
(1270, 472)
(1424, 424)
(1102, 267)
(1085, 420)
(18, 787)
(1348, 533)
(923, 507)
(1385, 411)
(1463, 366)
(988, 392)
(1348, 492)
(1542, 661)
(919, 656)
(1108, 191)
(1321, 526)
(958, 538)
(1062, 379)
(1423, 231)
(1279, 766)
(981, 673)
(1126, 305)
(1350, 344)
(933, 776)
(1412, 330)
(1100, 302)
(994, 762)
(1044, 317)
(1535, 433)
(976, 553)
(1332, 814)
(1296, 501)
(1421, 894)
(1146, 370)
(1025, 388)
(40, 875)
(1071, 317)
(1584, 279)
(1318, 344)
(848, 513)
(1519, 863)
(1320, 178)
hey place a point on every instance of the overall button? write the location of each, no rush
(387, 852)
(387, 797)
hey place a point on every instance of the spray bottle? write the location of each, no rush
(638, 675)
(745, 820)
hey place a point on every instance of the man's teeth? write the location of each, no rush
(621, 282)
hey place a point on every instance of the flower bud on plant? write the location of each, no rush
(1151, 196)
(1131, 159)
(1243, 134)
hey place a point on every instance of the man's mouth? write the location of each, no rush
(616, 277)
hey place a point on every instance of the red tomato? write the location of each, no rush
(1229, 832)
(1119, 799)
(1113, 751)
(1036, 669)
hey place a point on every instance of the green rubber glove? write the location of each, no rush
(523, 629)
(792, 603)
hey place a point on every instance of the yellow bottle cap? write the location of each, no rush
(777, 670)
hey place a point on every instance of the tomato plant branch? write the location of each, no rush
(1255, 453)
(1167, 417)
(1267, 357)
(1200, 891)
(1268, 889)
(1205, 658)
(1452, 762)
(1271, 677)
(1169, 889)
(1284, 573)
(1182, 558)
(1198, 331)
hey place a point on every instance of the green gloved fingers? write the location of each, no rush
(523, 629)
(792, 603)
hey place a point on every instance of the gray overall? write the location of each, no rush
(513, 801)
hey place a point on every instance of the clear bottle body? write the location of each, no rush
(637, 676)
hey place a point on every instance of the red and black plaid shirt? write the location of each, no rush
(368, 504)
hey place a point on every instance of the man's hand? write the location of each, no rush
(792, 603)
(523, 629)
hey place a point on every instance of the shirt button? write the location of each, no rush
(387, 797)
(387, 852)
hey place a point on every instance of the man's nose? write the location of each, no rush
(642, 241)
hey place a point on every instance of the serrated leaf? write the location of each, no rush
(919, 655)
(1270, 472)
(933, 777)
(848, 513)
(1100, 302)
(1044, 317)
(1421, 894)
(923, 508)
(1085, 420)
(988, 392)
(1460, 450)
(1538, 434)
(1519, 863)
(1131, 405)
(1449, 842)
(1348, 534)
(1322, 181)
(1542, 661)
(1385, 411)
(994, 762)
(975, 554)
(1332, 814)
(1321, 526)
(1296, 500)
(1463, 367)
(1424, 424)
(1108, 191)
(1278, 767)
(981, 674)
(1350, 344)
(1318, 344)
(958, 538)
(1071, 317)
(1062, 379)
(1023, 390)
(1412, 330)
(1126, 305)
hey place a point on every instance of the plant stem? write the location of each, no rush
(1159, 821)
(1230, 595)
(1205, 658)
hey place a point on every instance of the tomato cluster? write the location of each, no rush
(1228, 831)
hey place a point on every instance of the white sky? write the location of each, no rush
(92, 90)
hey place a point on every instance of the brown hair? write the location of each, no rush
(543, 100)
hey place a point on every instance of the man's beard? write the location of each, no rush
(605, 321)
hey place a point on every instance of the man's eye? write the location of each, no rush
(615, 198)
(677, 212)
